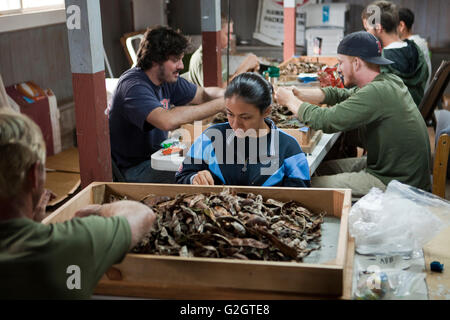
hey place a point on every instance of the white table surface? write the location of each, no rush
(174, 161)
(320, 151)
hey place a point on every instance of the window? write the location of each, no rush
(25, 14)
(23, 6)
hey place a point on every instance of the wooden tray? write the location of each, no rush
(329, 61)
(152, 276)
(309, 147)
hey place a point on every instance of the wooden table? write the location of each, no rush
(173, 162)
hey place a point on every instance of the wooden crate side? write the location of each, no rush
(309, 148)
(189, 133)
(67, 210)
(329, 61)
(348, 269)
(233, 274)
(343, 200)
(155, 291)
(302, 138)
(286, 62)
(314, 199)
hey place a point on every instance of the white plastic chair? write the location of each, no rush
(131, 47)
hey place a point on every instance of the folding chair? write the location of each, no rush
(130, 43)
(440, 165)
(435, 92)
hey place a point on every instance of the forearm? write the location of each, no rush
(335, 95)
(210, 93)
(353, 113)
(313, 95)
(140, 217)
(180, 115)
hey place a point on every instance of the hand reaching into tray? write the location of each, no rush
(140, 217)
(286, 97)
(203, 178)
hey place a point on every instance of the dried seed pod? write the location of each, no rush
(229, 225)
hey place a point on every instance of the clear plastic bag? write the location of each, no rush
(391, 285)
(399, 221)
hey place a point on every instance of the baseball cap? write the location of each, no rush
(364, 45)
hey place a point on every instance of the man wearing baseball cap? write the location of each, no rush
(382, 110)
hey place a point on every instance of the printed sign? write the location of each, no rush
(270, 22)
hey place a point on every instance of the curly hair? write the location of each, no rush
(158, 45)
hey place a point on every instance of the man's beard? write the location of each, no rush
(161, 74)
(348, 82)
(162, 77)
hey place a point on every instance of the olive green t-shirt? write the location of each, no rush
(195, 72)
(389, 124)
(59, 261)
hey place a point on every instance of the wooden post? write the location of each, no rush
(89, 90)
(211, 25)
(289, 29)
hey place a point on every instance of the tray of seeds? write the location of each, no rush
(291, 68)
(228, 242)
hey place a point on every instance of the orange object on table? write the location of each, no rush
(171, 150)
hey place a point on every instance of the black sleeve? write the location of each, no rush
(296, 182)
(188, 169)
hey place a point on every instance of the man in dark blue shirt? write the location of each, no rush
(142, 110)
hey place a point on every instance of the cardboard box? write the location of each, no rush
(153, 276)
(63, 174)
(44, 111)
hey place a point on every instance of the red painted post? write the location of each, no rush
(289, 29)
(89, 90)
(212, 60)
(212, 55)
(92, 127)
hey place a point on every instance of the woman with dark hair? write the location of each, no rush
(249, 149)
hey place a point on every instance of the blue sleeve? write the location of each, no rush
(296, 171)
(138, 102)
(295, 164)
(182, 92)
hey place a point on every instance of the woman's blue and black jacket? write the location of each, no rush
(275, 159)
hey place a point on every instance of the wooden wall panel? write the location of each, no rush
(38, 54)
(444, 24)
(116, 21)
(431, 22)
(42, 54)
